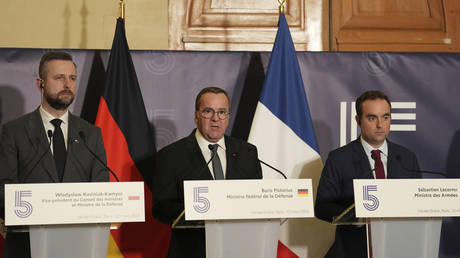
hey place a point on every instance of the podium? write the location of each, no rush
(242, 217)
(71, 241)
(397, 237)
(71, 220)
(403, 216)
(405, 237)
(255, 238)
(242, 238)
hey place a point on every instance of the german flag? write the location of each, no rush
(129, 143)
(302, 192)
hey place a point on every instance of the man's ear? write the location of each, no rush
(358, 120)
(196, 117)
(40, 84)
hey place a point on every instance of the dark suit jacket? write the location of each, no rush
(335, 190)
(181, 161)
(24, 142)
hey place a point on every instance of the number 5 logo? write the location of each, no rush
(202, 204)
(373, 201)
(25, 206)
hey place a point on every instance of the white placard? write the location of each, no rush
(74, 203)
(407, 197)
(248, 199)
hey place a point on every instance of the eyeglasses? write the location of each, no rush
(209, 113)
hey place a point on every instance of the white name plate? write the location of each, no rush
(74, 203)
(248, 199)
(407, 197)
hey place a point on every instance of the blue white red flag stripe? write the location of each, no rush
(282, 130)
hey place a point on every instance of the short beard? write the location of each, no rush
(57, 103)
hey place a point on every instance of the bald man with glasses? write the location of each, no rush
(186, 160)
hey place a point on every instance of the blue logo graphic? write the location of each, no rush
(372, 201)
(202, 204)
(25, 208)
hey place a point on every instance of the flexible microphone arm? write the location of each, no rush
(211, 147)
(50, 136)
(266, 164)
(82, 136)
(369, 172)
(398, 158)
(277, 170)
(213, 153)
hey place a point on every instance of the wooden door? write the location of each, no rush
(395, 25)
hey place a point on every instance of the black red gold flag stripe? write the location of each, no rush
(129, 143)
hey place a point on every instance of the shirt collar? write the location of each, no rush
(368, 148)
(203, 143)
(47, 117)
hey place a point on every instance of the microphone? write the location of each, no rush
(373, 156)
(211, 148)
(398, 158)
(372, 169)
(365, 174)
(236, 155)
(369, 172)
(50, 136)
(277, 170)
(82, 136)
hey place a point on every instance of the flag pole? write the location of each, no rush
(121, 10)
(281, 7)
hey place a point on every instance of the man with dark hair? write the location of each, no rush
(369, 95)
(44, 146)
(354, 161)
(186, 160)
(50, 56)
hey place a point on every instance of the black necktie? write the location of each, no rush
(216, 165)
(59, 150)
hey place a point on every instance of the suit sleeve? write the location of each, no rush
(330, 200)
(8, 165)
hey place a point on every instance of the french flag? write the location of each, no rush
(282, 130)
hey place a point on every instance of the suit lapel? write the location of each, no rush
(391, 172)
(229, 149)
(201, 170)
(360, 161)
(73, 146)
(235, 169)
(36, 133)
